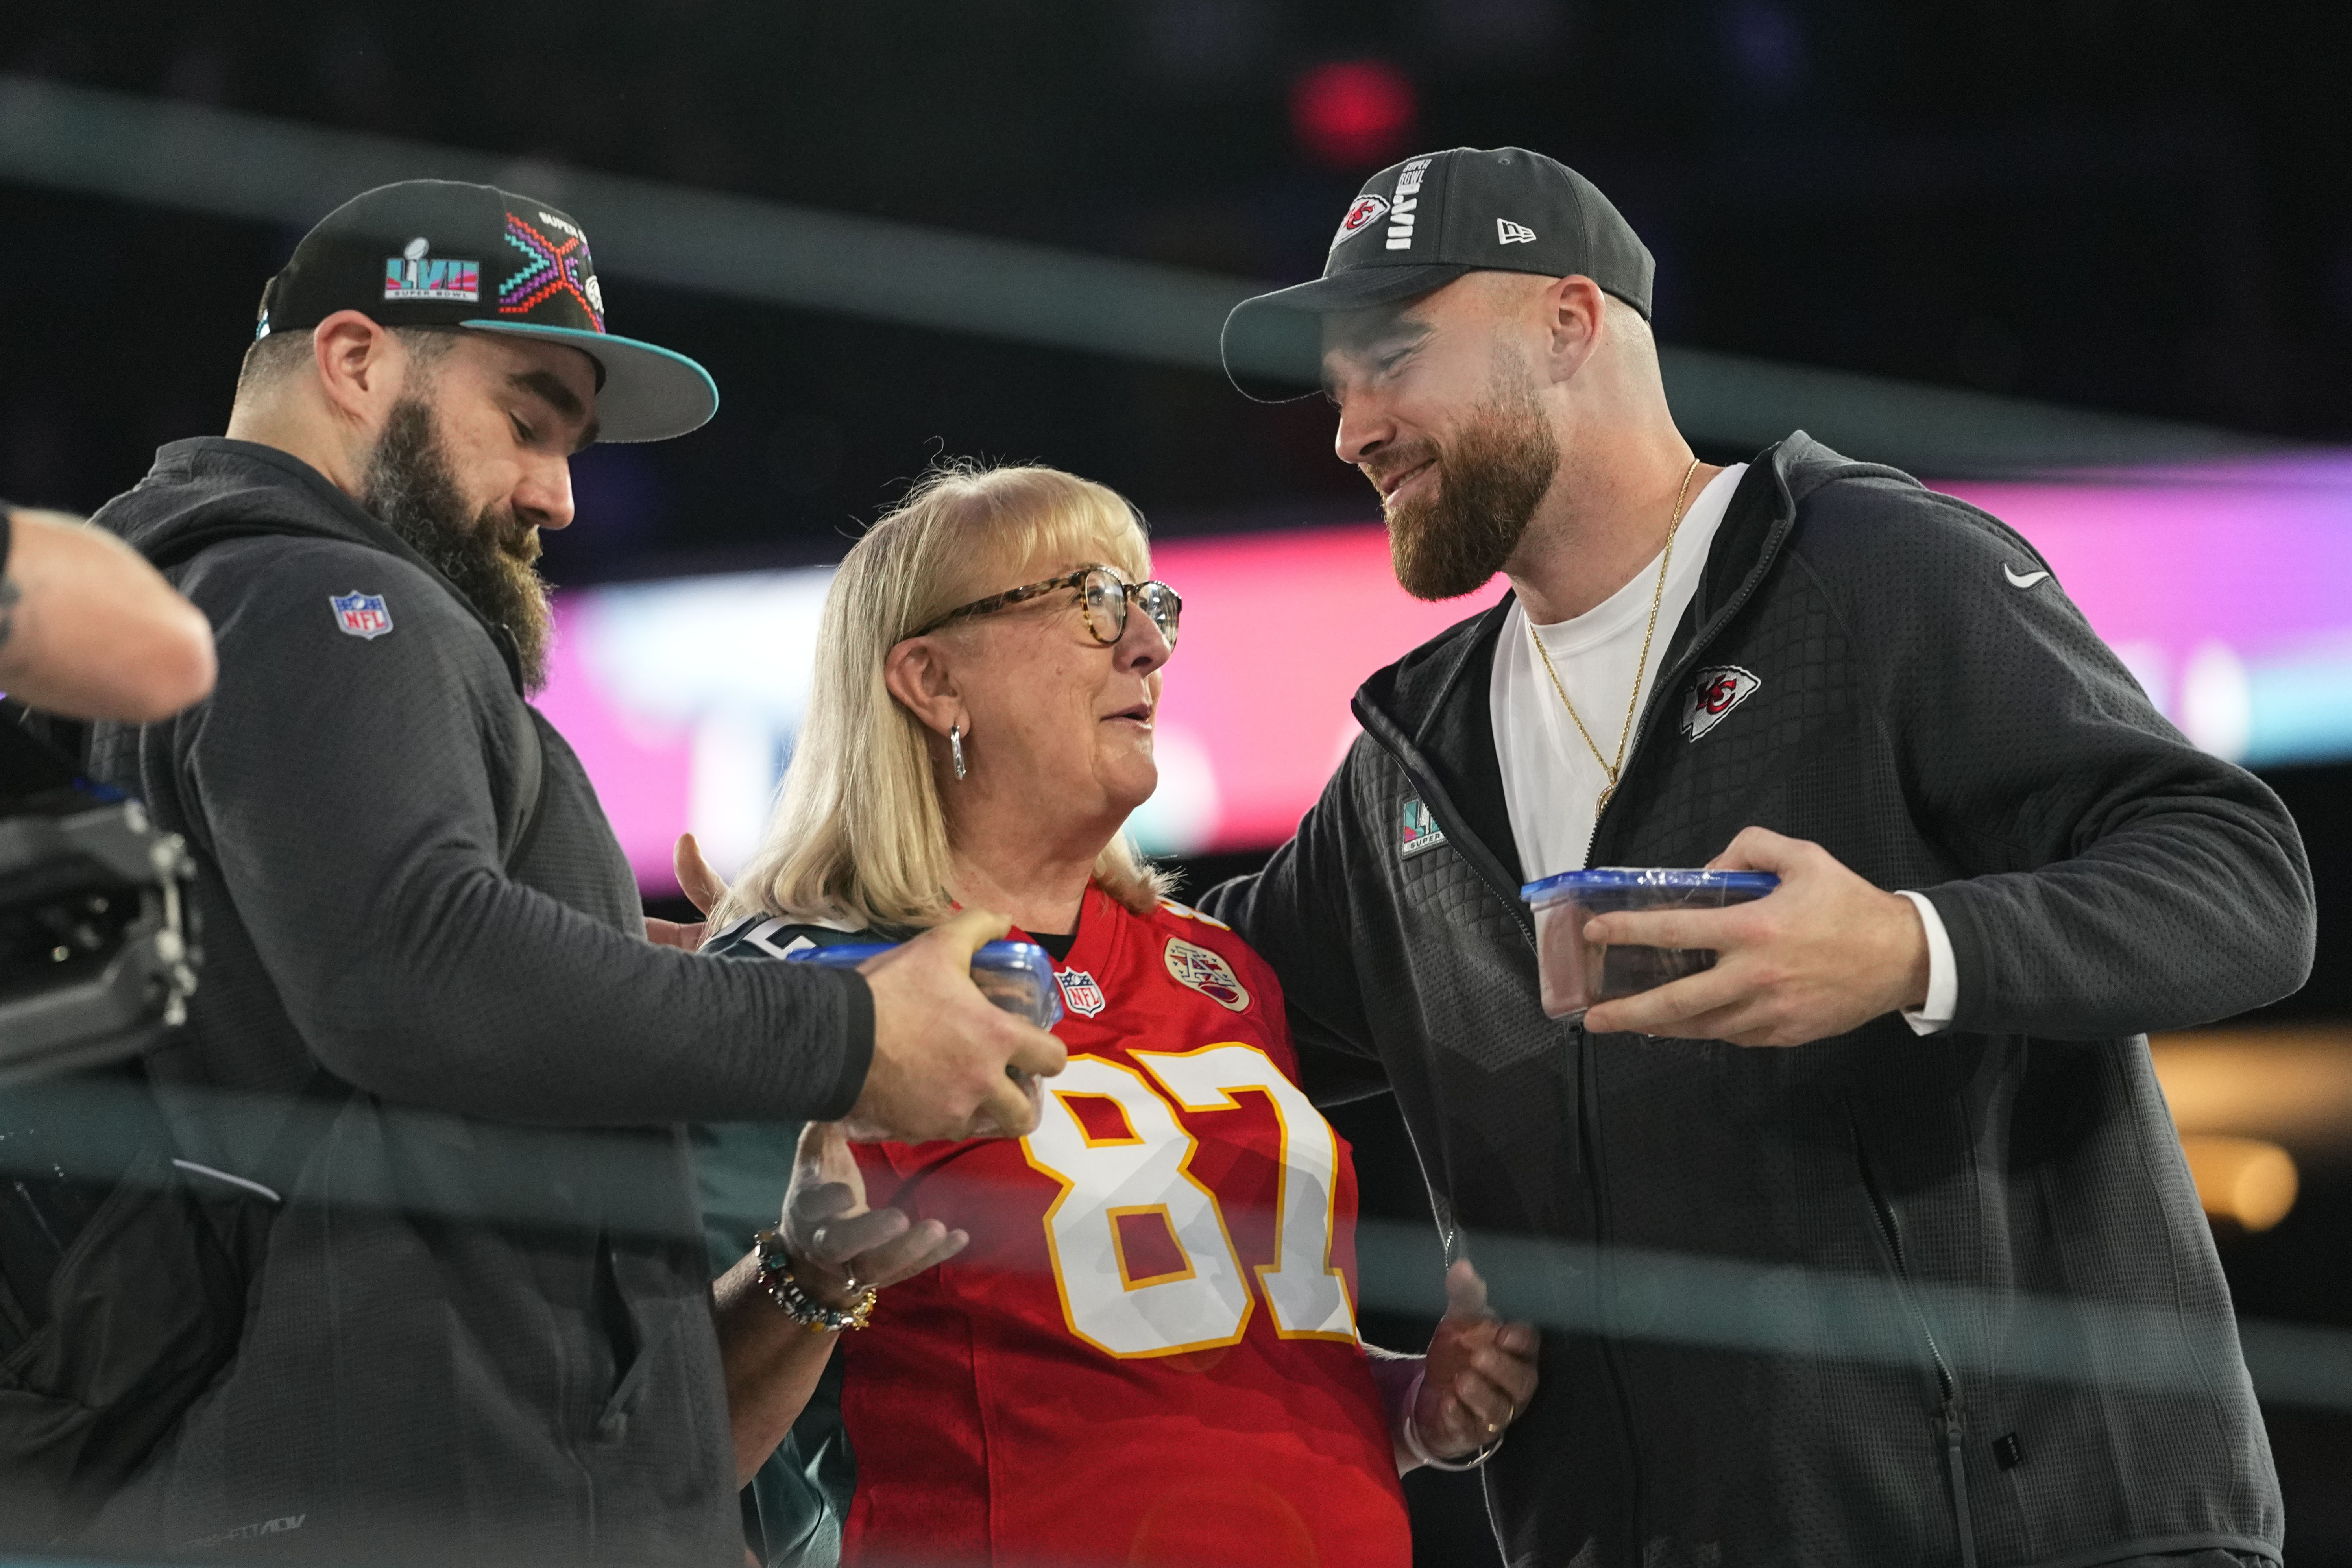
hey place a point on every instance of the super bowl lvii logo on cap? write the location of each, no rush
(417, 274)
(1408, 199)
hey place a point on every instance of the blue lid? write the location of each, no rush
(1039, 997)
(992, 955)
(1757, 882)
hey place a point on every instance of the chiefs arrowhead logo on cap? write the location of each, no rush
(1366, 212)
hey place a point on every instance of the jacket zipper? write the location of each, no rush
(1954, 1421)
(1587, 1109)
(1586, 1127)
(1588, 1117)
(1587, 1112)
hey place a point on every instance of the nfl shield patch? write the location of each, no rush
(1206, 972)
(1420, 831)
(1080, 993)
(359, 614)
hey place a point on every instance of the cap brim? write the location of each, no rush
(1272, 345)
(649, 393)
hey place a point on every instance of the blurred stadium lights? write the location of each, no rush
(2221, 590)
(1352, 114)
(2245, 1180)
(2249, 1103)
(2289, 1084)
(1722, 1302)
(279, 172)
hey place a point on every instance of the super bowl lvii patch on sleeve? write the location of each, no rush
(1420, 830)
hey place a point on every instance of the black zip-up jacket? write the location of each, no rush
(482, 1331)
(1881, 1299)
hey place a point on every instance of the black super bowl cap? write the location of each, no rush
(1418, 226)
(438, 253)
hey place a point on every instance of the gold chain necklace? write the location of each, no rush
(1634, 702)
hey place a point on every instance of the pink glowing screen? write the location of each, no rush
(2228, 592)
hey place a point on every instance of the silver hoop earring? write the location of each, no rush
(955, 747)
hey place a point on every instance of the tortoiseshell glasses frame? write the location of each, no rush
(1102, 593)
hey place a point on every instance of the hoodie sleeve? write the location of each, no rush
(2120, 880)
(1294, 915)
(348, 789)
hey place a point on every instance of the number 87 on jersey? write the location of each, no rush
(1139, 1243)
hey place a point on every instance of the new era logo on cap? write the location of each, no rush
(1509, 232)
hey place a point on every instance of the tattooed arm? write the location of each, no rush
(90, 631)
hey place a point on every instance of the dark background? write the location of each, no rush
(2141, 208)
(2136, 207)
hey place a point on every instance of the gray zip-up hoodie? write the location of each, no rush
(1880, 1298)
(482, 1330)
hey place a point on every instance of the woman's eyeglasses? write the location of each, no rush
(1102, 593)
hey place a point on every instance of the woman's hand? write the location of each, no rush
(839, 1246)
(1480, 1374)
(703, 889)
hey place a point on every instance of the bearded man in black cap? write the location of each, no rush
(478, 1323)
(1928, 1281)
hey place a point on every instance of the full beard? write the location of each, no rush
(1451, 540)
(489, 556)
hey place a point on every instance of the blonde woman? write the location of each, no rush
(1129, 1337)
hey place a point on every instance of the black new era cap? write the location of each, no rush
(1423, 223)
(436, 253)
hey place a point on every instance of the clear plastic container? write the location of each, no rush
(1578, 975)
(1018, 976)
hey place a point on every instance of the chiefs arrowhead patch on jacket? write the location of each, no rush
(1713, 694)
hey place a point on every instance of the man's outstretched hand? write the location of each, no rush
(1823, 953)
(948, 1062)
(703, 889)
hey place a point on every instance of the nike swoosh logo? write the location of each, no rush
(2015, 581)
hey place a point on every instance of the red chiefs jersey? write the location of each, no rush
(1147, 1354)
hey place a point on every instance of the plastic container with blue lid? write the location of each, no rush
(1576, 975)
(1018, 976)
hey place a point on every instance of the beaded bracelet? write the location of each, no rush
(784, 1291)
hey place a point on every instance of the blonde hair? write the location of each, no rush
(859, 834)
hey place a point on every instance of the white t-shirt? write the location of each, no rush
(1552, 782)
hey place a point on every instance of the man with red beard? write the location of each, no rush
(431, 1090)
(1929, 1284)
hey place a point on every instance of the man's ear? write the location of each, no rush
(360, 365)
(1575, 314)
(919, 678)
